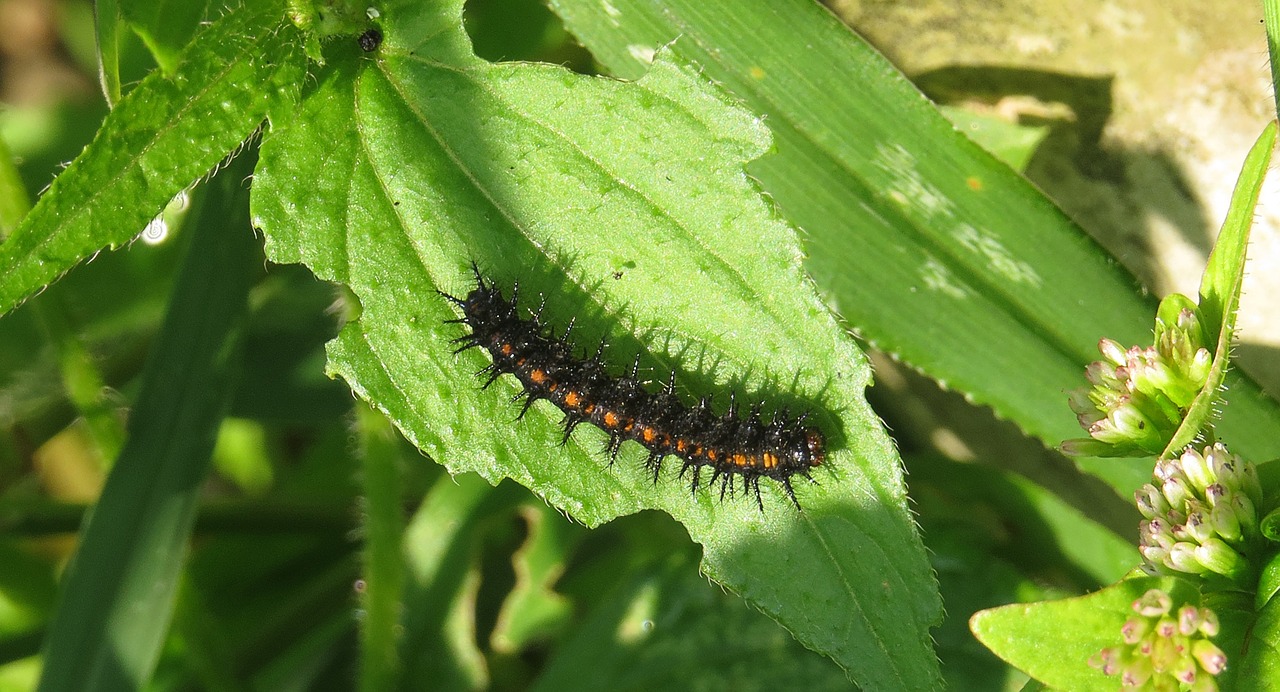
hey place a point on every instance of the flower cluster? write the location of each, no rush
(1164, 650)
(1201, 514)
(1138, 396)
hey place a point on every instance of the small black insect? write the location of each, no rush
(370, 40)
(550, 368)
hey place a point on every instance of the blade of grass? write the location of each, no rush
(117, 596)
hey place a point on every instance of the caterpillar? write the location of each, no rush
(732, 445)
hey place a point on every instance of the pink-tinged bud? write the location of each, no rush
(1188, 620)
(1156, 533)
(1198, 526)
(1089, 447)
(1210, 657)
(1151, 502)
(1196, 469)
(1110, 660)
(1182, 557)
(1190, 324)
(1112, 351)
(1184, 670)
(1225, 523)
(1245, 513)
(1225, 466)
(1214, 493)
(1137, 673)
(1209, 625)
(1134, 630)
(1219, 557)
(1153, 603)
(1166, 469)
(1200, 366)
(1176, 492)
(1100, 373)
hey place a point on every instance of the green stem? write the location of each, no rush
(384, 574)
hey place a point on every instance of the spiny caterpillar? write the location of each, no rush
(550, 368)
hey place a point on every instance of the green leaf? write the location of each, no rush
(1011, 143)
(166, 26)
(117, 596)
(534, 610)
(439, 641)
(1053, 640)
(1220, 286)
(1050, 534)
(663, 627)
(106, 20)
(14, 200)
(928, 246)
(626, 206)
(1260, 666)
(157, 141)
(28, 584)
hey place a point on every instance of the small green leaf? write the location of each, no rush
(438, 641)
(664, 628)
(166, 26)
(1011, 143)
(1052, 641)
(1260, 665)
(106, 19)
(1269, 576)
(157, 141)
(534, 610)
(14, 200)
(1261, 661)
(1057, 536)
(1220, 287)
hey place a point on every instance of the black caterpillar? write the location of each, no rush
(548, 368)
